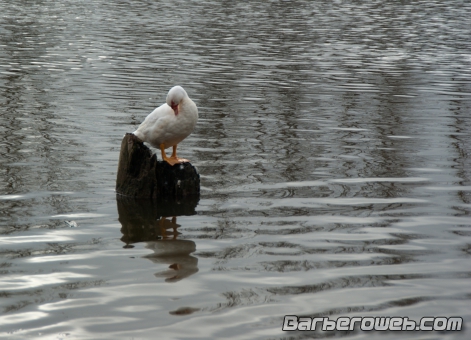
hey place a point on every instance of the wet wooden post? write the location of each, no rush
(141, 175)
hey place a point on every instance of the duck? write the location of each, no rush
(169, 124)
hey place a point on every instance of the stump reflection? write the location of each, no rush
(155, 224)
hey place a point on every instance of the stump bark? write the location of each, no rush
(141, 175)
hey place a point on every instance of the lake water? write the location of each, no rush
(334, 148)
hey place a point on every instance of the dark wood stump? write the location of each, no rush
(141, 175)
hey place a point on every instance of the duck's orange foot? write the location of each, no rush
(175, 160)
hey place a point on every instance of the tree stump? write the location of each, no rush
(141, 175)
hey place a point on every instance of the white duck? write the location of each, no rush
(169, 124)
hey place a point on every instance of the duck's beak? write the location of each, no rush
(174, 108)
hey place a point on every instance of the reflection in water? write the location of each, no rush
(147, 221)
(333, 147)
(175, 253)
(140, 218)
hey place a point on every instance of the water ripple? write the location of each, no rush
(333, 146)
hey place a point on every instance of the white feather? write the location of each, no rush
(163, 126)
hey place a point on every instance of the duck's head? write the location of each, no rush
(174, 97)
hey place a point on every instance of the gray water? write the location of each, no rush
(333, 145)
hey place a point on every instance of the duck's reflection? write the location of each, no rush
(155, 223)
(176, 253)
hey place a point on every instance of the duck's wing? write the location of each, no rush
(157, 119)
(160, 112)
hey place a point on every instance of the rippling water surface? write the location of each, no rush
(333, 147)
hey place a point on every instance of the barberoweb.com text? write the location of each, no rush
(295, 323)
